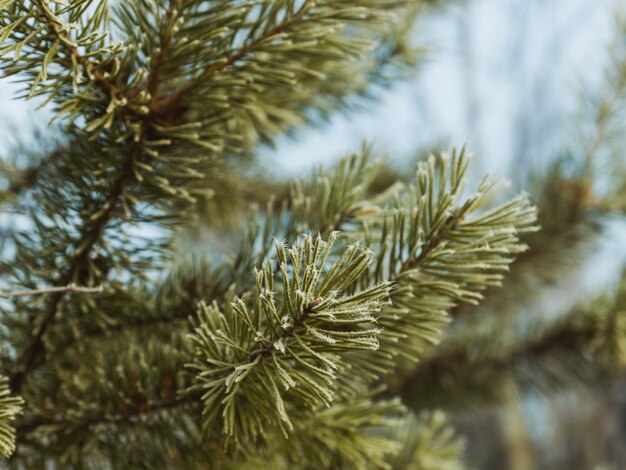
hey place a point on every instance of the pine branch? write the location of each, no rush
(502, 323)
(440, 233)
(170, 102)
(10, 406)
(90, 68)
(295, 340)
(339, 195)
(309, 292)
(246, 353)
(440, 249)
(71, 289)
(91, 235)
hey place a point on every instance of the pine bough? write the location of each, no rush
(334, 289)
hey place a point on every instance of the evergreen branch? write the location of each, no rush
(103, 79)
(90, 68)
(223, 76)
(439, 249)
(70, 288)
(438, 235)
(358, 434)
(428, 442)
(9, 407)
(502, 323)
(43, 46)
(570, 229)
(124, 101)
(170, 102)
(339, 196)
(118, 71)
(91, 234)
(245, 355)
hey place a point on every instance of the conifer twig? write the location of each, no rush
(169, 102)
(69, 289)
(89, 67)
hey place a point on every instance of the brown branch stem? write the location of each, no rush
(70, 288)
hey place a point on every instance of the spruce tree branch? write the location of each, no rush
(70, 288)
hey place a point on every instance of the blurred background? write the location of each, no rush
(525, 83)
(506, 76)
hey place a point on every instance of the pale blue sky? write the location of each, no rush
(495, 65)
